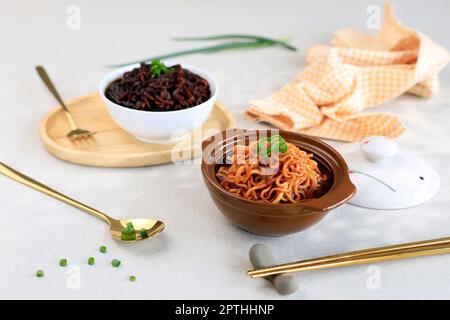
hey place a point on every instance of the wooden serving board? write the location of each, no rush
(114, 147)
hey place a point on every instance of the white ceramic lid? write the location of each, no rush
(387, 178)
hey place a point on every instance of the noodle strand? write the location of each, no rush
(293, 177)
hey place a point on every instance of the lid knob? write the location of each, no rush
(378, 149)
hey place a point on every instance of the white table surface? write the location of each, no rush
(200, 254)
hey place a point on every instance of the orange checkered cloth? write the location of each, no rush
(357, 72)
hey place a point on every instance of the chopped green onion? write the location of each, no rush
(128, 233)
(91, 261)
(129, 227)
(102, 249)
(115, 263)
(132, 278)
(143, 233)
(39, 273)
(128, 237)
(63, 262)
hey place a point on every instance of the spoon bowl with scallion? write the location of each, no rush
(128, 230)
(135, 229)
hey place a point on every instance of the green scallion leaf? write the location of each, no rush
(39, 273)
(91, 261)
(283, 147)
(280, 42)
(252, 42)
(260, 143)
(265, 146)
(63, 262)
(102, 249)
(132, 278)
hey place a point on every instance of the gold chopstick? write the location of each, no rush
(394, 252)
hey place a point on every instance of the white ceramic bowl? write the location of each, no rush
(159, 126)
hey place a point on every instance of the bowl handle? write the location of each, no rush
(334, 197)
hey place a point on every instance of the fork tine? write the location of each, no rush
(80, 134)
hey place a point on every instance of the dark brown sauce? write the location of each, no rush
(326, 185)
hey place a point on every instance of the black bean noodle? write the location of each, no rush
(175, 90)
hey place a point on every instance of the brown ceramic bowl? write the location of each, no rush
(280, 219)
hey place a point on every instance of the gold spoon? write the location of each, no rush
(152, 227)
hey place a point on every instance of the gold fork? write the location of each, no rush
(75, 132)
